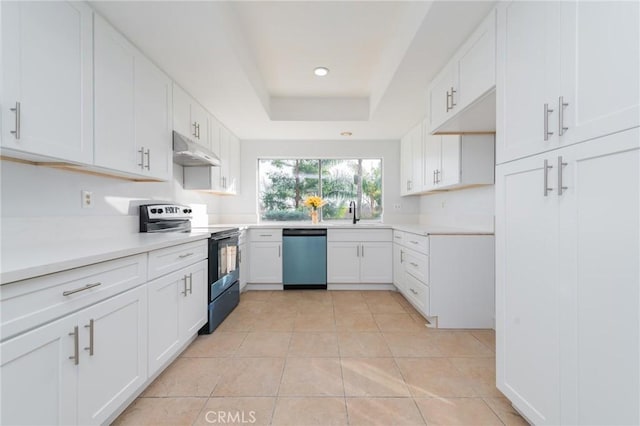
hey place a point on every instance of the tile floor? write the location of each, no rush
(328, 358)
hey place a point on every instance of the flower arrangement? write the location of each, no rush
(314, 202)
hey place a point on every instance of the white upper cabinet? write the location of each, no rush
(460, 97)
(132, 108)
(455, 161)
(411, 153)
(189, 117)
(47, 81)
(561, 78)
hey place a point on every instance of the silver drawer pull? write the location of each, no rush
(413, 291)
(76, 356)
(182, 256)
(184, 293)
(413, 242)
(90, 347)
(398, 237)
(415, 265)
(266, 235)
(77, 290)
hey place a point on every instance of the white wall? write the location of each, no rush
(243, 208)
(465, 208)
(43, 199)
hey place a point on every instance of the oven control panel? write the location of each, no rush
(167, 211)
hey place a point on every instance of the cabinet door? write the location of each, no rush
(243, 256)
(215, 137)
(234, 165)
(47, 50)
(164, 328)
(115, 63)
(599, 252)
(153, 118)
(600, 69)
(36, 369)
(265, 263)
(450, 169)
(343, 262)
(182, 112)
(527, 308)
(194, 304)
(398, 267)
(223, 153)
(406, 164)
(432, 157)
(113, 354)
(477, 64)
(528, 76)
(376, 262)
(440, 102)
(417, 159)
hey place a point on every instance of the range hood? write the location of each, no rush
(190, 154)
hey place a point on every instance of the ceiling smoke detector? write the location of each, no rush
(321, 71)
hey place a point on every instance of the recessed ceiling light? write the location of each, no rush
(321, 71)
(346, 134)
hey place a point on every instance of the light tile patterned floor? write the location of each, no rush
(328, 358)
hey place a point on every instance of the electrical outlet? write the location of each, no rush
(397, 206)
(87, 199)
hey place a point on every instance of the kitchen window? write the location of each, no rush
(283, 184)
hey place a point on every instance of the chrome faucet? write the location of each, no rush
(352, 209)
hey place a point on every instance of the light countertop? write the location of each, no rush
(22, 261)
(413, 228)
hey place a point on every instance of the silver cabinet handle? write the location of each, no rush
(90, 347)
(190, 283)
(561, 129)
(546, 177)
(16, 132)
(413, 291)
(184, 291)
(141, 152)
(198, 130)
(438, 176)
(452, 102)
(363, 250)
(182, 256)
(561, 164)
(547, 111)
(279, 250)
(413, 242)
(415, 265)
(76, 355)
(358, 251)
(195, 126)
(266, 235)
(148, 154)
(78, 290)
(401, 256)
(434, 177)
(449, 96)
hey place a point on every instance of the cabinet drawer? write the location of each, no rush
(171, 259)
(265, 234)
(419, 243)
(417, 293)
(29, 303)
(383, 235)
(399, 237)
(417, 264)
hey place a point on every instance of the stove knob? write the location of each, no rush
(185, 211)
(159, 210)
(189, 211)
(153, 210)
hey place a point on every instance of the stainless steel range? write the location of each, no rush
(224, 272)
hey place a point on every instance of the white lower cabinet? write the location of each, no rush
(366, 259)
(567, 326)
(79, 368)
(265, 262)
(448, 278)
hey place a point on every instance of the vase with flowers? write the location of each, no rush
(314, 202)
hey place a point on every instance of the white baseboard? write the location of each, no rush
(263, 287)
(361, 287)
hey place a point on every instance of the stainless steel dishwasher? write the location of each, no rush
(304, 258)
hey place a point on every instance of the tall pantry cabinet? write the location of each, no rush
(567, 211)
